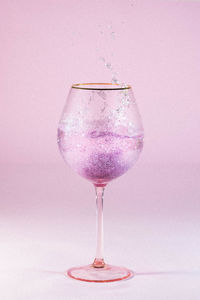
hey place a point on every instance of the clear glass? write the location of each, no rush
(100, 135)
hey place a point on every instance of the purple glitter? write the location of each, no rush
(99, 156)
(104, 166)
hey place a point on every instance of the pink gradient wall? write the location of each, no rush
(48, 45)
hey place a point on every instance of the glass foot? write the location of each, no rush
(107, 273)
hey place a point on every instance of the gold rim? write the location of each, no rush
(111, 86)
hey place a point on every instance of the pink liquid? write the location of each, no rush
(100, 156)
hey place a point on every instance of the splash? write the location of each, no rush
(109, 66)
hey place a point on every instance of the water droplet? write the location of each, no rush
(108, 65)
(114, 80)
(113, 35)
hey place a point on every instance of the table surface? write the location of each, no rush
(151, 223)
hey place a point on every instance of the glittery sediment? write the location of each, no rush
(100, 156)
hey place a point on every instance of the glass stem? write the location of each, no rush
(99, 261)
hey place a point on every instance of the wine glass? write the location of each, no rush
(100, 135)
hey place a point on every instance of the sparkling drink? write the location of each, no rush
(99, 156)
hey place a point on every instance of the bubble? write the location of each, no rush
(108, 65)
(113, 35)
(114, 80)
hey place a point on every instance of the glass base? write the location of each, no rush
(107, 273)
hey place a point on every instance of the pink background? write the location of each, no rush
(47, 212)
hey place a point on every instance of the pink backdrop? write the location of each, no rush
(47, 212)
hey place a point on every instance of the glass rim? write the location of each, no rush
(111, 86)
